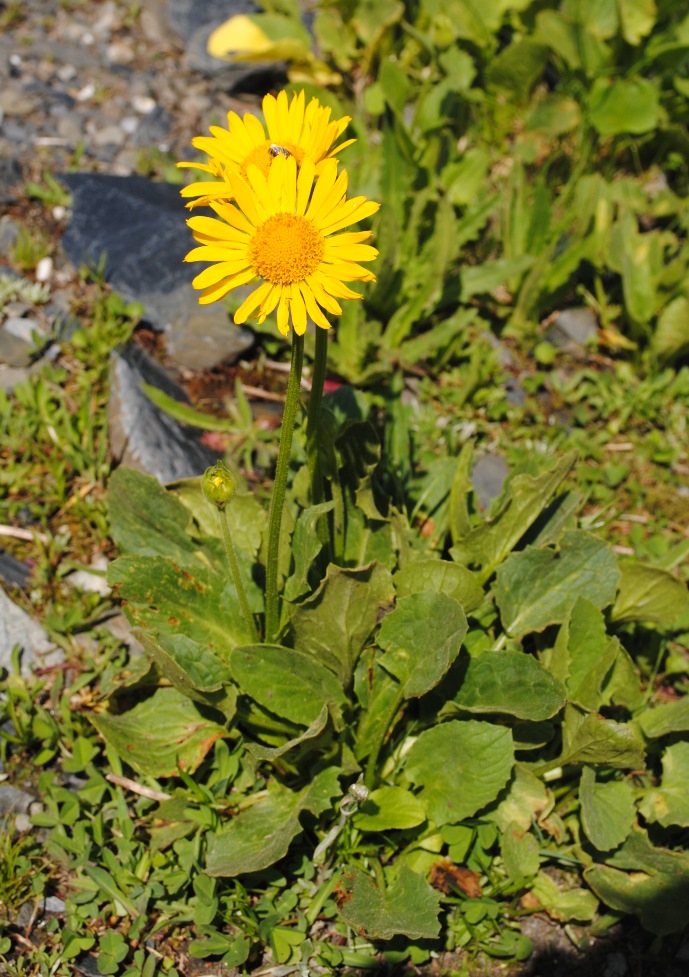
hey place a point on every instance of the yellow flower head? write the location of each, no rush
(281, 228)
(294, 129)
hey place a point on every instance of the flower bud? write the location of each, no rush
(218, 485)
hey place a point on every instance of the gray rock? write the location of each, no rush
(18, 628)
(54, 905)
(11, 176)
(9, 232)
(143, 436)
(10, 376)
(138, 228)
(12, 571)
(154, 127)
(13, 800)
(17, 347)
(572, 328)
(488, 477)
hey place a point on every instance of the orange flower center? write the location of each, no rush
(286, 248)
(262, 156)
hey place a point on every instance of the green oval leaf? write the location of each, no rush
(511, 682)
(461, 767)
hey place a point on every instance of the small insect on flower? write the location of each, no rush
(294, 128)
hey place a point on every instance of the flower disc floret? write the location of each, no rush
(282, 229)
(295, 128)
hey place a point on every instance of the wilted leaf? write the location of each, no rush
(564, 904)
(652, 883)
(669, 804)
(160, 735)
(408, 907)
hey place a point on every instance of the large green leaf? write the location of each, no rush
(146, 519)
(486, 277)
(287, 682)
(160, 735)
(629, 105)
(443, 577)
(407, 907)
(652, 883)
(638, 18)
(334, 625)
(421, 638)
(193, 669)
(539, 587)
(509, 682)
(648, 593)
(592, 739)
(461, 767)
(261, 835)
(607, 810)
(488, 545)
(564, 904)
(246, 517)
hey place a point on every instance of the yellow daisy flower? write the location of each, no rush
(294, 129)
(281, 228)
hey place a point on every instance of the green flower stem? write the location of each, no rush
(236, 575)
(315, 401)
(277, 501)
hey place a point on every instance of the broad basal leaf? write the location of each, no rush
(147, 519)
(160, 735)
(408, 907)
(607, 810)
(510, 682)
(538, 587)
(261, 835)
(461, 767)
(419, 655)
(305, 545)
(564, 904)
(630, 105)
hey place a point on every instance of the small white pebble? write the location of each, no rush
(59, 212)
(129, 125)
(87, 92)
(66, 72)
(143, 104)
(44, 269)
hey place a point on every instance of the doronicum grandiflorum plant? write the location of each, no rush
(396, 734)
